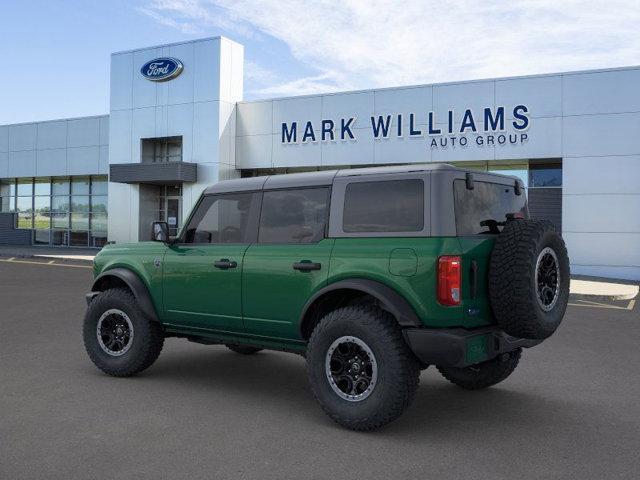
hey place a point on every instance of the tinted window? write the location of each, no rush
(477, 210)
(294, 216)
(389, 206)
(545, 176)
(224, 219)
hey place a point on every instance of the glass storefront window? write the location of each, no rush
(80, 221)
(80, 186)
(60, 186)
(42, 237)
(545, 175)
(60, 204)
(99, 222)
(98, 239)
(25, 188)
(42, 212)
(60, 237)
(60, 211)
(78, 239)
(99, 204)
(42, 186)
(80, 203)
(7, 204)
(99, 186)
(60, 220)
(25, 211)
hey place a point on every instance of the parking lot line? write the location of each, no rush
(45, 264)
(588, 303)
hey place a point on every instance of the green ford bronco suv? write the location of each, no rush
(371, 274)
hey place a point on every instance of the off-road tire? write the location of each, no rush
(243, 349)
(513, 291)
(485, 374)
(148, 337)
(398, 369)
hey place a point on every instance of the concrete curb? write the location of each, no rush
(59, 259)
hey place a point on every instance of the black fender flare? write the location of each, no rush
(135, 284)
(389, 299)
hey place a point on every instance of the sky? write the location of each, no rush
(55, 53)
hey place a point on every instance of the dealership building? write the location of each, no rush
(178, 123)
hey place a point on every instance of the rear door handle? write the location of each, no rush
(306, 266)
(225, 263)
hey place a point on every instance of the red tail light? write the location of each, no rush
(449, 280)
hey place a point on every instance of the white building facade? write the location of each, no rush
(177, 123)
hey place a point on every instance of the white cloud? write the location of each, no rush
(374, 43)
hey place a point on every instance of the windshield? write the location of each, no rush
(484, 209)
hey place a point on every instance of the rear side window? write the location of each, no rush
(294, 216)
(230, 218)
(484, 209)
(384, 206)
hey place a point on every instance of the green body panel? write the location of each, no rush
(382, 259)
(273, 293)
(261, 300)
(140, 259)
(476, 248)
(199, 295)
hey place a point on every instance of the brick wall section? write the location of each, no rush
(9, 234)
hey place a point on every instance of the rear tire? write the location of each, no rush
(485, 374)
(360, 369)
(119, 339)
(243, 349)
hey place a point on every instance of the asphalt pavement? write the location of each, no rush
(570, 411)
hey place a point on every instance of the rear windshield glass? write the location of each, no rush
(484, 209)
(384, 206)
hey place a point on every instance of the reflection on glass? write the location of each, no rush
(60, 237)
(80, 186)
(42, 186)
(545, 176)
(42, 212)
(99, 186)
(60, 220)
(98, 239)
(60, 204)
(25, 220)
(25, 187)
(7, 204)
(8, 187)
(99, 222)
(99, 204)
(80, 221)
(60, 186)
(80, 203)
(78, 239)
(42, 237)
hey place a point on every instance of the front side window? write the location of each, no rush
(484, 209)
(384, 206)
(294, 216)
(229, 218)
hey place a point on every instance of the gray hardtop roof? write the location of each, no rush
(326, 177)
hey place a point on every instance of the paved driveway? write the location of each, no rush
(571, 410)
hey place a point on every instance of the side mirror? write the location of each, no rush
(160, 232)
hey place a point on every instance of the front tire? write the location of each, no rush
(119, 339)
(361, 371)
(485, 374)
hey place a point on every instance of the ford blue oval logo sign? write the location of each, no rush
(162, 69)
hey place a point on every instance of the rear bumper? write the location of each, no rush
(459, 347)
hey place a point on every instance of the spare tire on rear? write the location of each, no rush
(529, 279)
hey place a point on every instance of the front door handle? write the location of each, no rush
(306, 266)
(225, 263)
